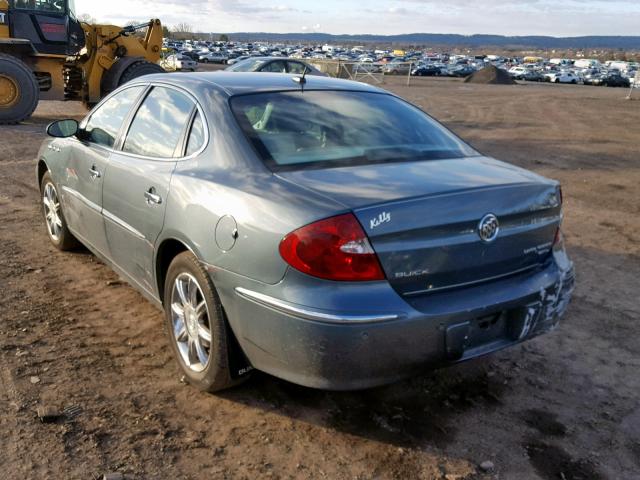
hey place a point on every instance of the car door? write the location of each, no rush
(87, 165)
(137, 184)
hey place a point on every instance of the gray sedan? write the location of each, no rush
(275, 65)
(323, 231)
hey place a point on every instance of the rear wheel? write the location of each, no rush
(198, 333)
(139, 69)
(19, 92)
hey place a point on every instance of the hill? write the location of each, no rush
(537, 42)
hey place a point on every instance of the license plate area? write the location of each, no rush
(491, 332)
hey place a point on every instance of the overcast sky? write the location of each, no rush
(506, 17)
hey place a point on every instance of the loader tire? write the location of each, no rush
(138, 69)
(19, 91)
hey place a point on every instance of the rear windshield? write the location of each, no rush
(248, 65)
(318, 129)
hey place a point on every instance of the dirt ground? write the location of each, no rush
(564, 406)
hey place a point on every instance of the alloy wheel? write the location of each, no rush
(190, 322)
(52, 212)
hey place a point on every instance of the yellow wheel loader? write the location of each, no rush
(46, 53)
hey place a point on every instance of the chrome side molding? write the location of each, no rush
(311, 314)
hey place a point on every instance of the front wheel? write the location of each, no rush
(198, 333)
(57, 229)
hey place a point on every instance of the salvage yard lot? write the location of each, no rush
(565, 405)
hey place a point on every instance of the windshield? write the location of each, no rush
(51, 6)
(317, 129)
(248, 65)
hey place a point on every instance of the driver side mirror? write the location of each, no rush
(63, 128)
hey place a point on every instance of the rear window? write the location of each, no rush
(248, 65)
(317, 129)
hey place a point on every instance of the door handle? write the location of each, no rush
(94, 173)
(152, 196)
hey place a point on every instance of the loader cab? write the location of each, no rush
(50, 25)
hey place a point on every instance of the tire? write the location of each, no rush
(19, 91)
(139, 69)
(214, 374)
(57, 229)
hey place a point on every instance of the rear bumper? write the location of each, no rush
(381, 337)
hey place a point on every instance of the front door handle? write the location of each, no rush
(152, 196)
(94, 173)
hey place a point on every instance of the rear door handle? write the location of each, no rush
(94, 173)
(152, 196)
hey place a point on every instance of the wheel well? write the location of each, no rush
(42, 169)
(167, 251)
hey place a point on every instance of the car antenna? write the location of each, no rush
(302, 80)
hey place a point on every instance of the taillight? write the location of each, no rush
(334, 249)
(558, 241)
(560, 195)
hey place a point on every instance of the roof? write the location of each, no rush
(235, 83)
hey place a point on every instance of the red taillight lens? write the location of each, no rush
(335, 249)
(560, 195)
(558, 241)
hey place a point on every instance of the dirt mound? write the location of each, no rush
(491, 76)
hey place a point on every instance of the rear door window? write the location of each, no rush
(274, 67)
(196, 136)
(104, 124)
(159, 123)
(296, 67)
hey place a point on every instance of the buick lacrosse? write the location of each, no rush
(324, 231)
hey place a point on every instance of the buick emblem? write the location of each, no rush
(488, 228)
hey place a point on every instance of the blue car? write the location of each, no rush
(324, 231)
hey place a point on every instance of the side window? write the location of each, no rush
(159, 122)
(296, 67)
(196, 136)
(104, 124)
(274, 67)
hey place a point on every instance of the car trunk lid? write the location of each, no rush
(422, 218)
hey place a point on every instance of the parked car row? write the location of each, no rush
(542, 72)
(399, 62)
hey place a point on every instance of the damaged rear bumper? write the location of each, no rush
(319, 346)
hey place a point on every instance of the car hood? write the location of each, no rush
(363, 185)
